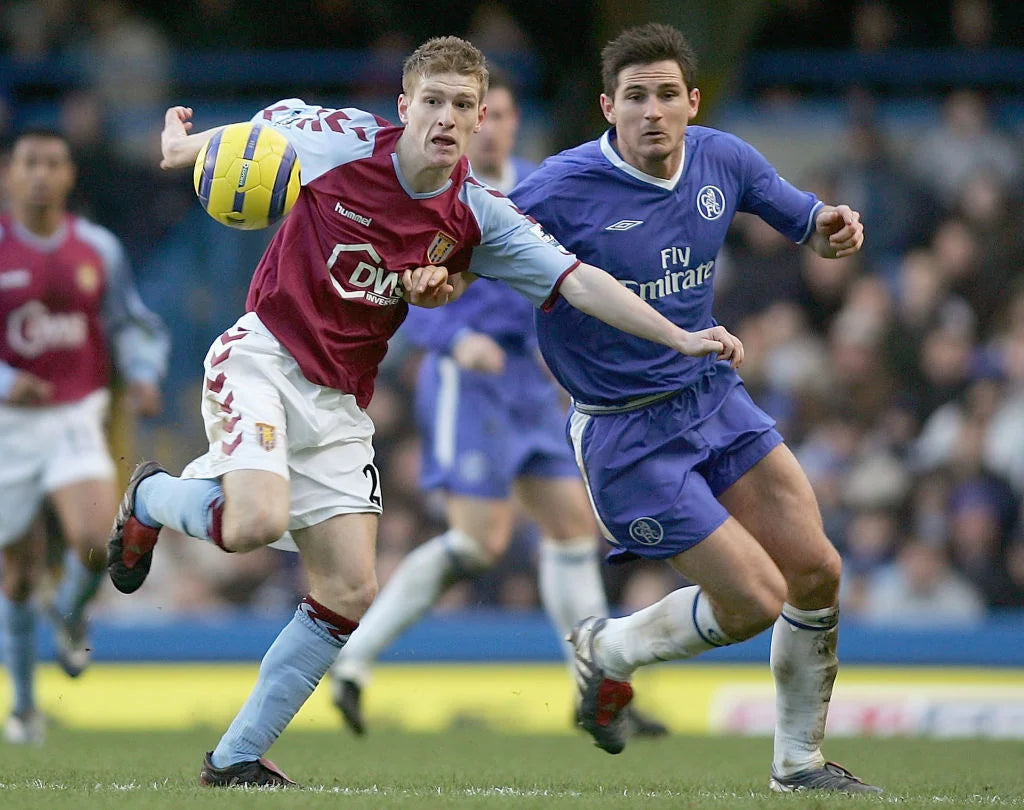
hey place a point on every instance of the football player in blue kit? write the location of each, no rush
(491, 420)
(680, 463)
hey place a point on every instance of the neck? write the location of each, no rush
(663, 169)
(419, 177)
(40, 220)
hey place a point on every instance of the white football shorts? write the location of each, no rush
(261, 413)
(46, 448)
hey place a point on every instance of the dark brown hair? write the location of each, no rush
(643, 45)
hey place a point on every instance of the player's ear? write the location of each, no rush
(608, 108)
(480, 118)
(403, 108)
(694, 103)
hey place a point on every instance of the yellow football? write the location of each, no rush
(247, 176)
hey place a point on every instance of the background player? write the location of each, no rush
(384, 214)
(69, 309)
(680, 463)
(492, 423)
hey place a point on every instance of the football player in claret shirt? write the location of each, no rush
(491, 420)
(70, 315)
(387, 215)
(681, 465)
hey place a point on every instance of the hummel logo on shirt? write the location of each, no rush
(624, 224)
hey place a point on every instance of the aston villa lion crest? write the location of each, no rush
(266, 435)
(87, 277)
(440, 248)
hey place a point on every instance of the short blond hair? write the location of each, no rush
(445, 55)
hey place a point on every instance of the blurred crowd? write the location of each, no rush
(897, 376)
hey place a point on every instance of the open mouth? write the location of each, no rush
(442, 141)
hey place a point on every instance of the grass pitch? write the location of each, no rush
(474, 767)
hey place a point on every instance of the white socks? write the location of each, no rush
(681, 625)
(804, 664)
(570, 584)
(413, 589)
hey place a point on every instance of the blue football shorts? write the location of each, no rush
(654, 474)
(480, 432)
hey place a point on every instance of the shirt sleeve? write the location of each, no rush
(783, 206)
(7, 375)
(322, 137)
(138, 337)
(514, 248)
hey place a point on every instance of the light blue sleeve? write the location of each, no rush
(515, 248)
(321, 137)
(7, 375)
(138, 338)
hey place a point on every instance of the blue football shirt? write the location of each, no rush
(659, 238)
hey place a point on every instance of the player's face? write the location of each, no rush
(650, 110)
(493, 144)
(440, 115)
(40, 173)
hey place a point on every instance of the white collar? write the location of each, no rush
(617, 161)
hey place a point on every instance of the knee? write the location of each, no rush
(254, 529)
(756, 610)
(18, 584)
(92, 552)
(471, 555)
(351, 602)
(816, 580)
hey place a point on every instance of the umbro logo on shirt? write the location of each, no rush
(624, 224)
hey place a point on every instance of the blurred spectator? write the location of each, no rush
(963, 145)
(972, 23)
(871, 538)
(874, 26)
(129, 61)
(33, 30)
(920, 589)
(868, 175)
(978, 535)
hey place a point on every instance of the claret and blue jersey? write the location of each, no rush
(660, 238)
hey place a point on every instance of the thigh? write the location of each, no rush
(339, 557)
(776, 503)
(559, 506)
(256, 505)
(487, 520)
(85, 510)
(22, 563)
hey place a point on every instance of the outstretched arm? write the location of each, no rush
(178, 147)
(593, 291)
(838, 232)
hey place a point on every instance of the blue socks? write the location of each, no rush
(181, 503)
(20, 652)
(293, 666)
(77, 587)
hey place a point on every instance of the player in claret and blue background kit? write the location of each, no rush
(490, 417)
(70, 316)
(387, 215)
(680, 463)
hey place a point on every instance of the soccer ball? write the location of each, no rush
(247, 176)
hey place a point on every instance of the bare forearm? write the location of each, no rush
(591, 290)
(181, 151)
